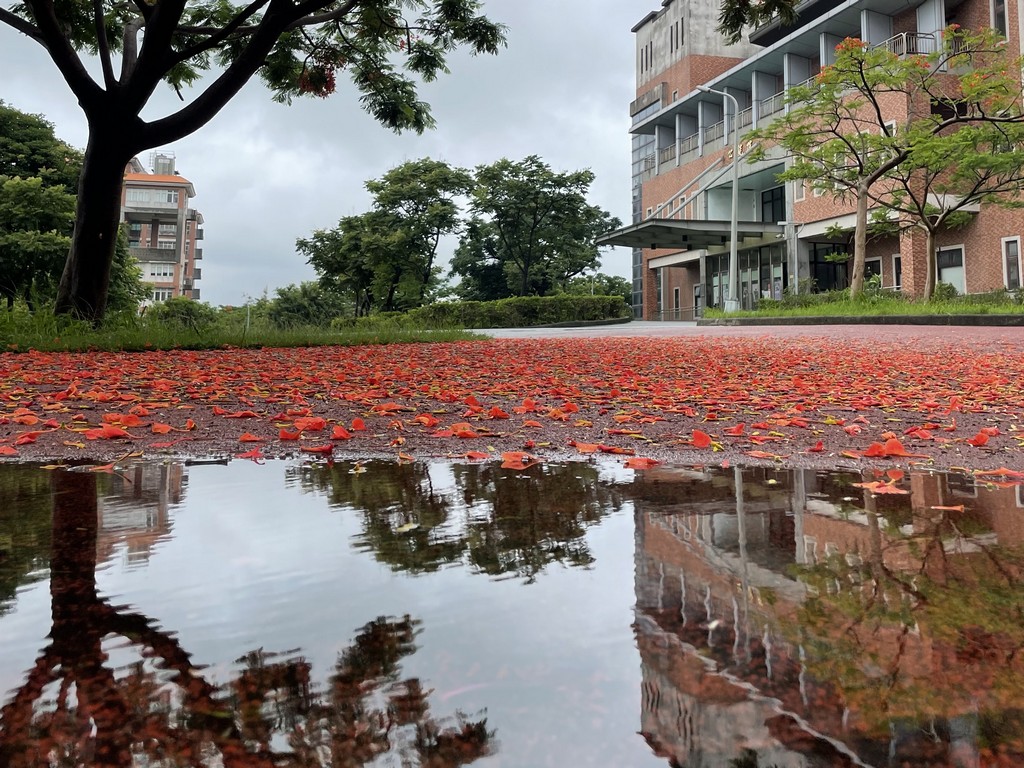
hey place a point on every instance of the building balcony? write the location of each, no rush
(198, 254)
(909, 44)
(154, 254)
(197, 273)
(199, 233)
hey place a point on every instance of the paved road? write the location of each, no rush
(982, 336)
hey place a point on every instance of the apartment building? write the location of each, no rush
(164, 233)
(683, 145)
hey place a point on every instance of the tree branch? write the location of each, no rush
(51, 35)
(21, 25)
(130, 47)
(220, 35)
(279, 15)
(102, 44)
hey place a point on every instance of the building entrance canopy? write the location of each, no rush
(691, 234)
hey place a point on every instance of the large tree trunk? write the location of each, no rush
(860, 242)
(84, 283)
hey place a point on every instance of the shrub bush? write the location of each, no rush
(521, 311)
(181, 314)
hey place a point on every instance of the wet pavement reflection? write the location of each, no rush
(439, 614)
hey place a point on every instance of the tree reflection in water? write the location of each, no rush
(24, 529)
(501, 522)
(74, 709)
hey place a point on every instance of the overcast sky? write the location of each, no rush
(266, 174)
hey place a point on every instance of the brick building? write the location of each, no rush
(163, 231)
(682, 160)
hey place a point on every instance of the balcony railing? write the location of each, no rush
(688, 144)
(197, 273)
(154, 254)
(667, 154)
(745, 118)
(909, 44)
(771, 105)
(199, 233)
(198, 254)
(713, 132)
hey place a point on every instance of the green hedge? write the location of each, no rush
(522, 311)
(517, 312)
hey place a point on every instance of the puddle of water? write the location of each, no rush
(450, 614)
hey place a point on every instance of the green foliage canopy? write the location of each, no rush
(532, 224)
(296, 47)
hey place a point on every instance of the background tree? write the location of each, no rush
(29, 148)
(37, 211)
(127, 291)
(421, 196)
(534, 222)
(600, 284)
(842, 140)
(365, 260)
(35, 226)
(295, 46)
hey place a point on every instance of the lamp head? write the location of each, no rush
(703, 89)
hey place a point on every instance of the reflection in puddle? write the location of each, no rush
(497, 522)
(249, 616)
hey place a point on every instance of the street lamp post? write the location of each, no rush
(732, 301)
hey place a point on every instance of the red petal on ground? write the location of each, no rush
(518, 460)
(701, 439)
(326, 448)
(340, 433)
(640, 462)
(249, 437)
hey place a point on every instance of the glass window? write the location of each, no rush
(773, 204)
(999, 16)
(1011, 257)
(897, 271)
(951, 268)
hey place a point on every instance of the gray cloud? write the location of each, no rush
(266, 174)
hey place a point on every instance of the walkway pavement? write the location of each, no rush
(983, 336)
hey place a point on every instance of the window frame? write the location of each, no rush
(1003, 254)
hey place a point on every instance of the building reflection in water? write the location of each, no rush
(789, 618)
(134, 507)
